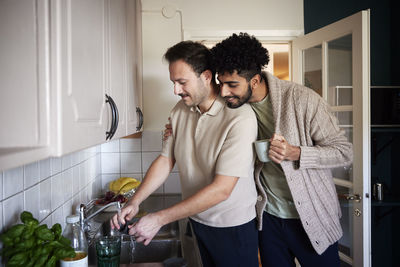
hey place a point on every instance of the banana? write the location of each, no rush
(116, 185)
(128, 187)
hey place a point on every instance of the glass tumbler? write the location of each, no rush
(108, 249)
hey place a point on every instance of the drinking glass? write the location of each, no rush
(108, 250)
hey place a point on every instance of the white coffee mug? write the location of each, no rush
(262, 147)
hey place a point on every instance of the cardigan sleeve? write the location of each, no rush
(330, 147)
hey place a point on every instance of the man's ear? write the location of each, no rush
(255, 81)
(207, 74)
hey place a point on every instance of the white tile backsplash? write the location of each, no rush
(57, 195)
(75, 158)
(1, 186)
(31, 174)
(68, 209)
(131, 162)
(76, 200)
(151, 141)
(66, 162)
(13, 181)
(112, 146)
(130, 145)
(75, 180)
(44, 169)
(1, 215)
(58, 216)
(47, 221)
(45, 199)
(12, 208)
(55, 165)
(67, 184)
(32, 200)
(110, 162)
(83, 175)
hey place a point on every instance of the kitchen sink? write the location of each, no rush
(165, 245)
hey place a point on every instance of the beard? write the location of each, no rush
(240, 100)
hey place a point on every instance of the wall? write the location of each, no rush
(191, 18)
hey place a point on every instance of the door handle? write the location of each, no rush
(109, 132)
(355, 197)
(115, 118)
(139, 111)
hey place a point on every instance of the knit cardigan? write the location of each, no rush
(304, 119)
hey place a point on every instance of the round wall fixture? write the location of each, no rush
(168, 11)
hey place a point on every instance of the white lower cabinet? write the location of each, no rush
(70, 76)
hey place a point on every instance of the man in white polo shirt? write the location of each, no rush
(212, 146)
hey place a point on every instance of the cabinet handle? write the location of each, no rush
(109, 132)
(140, 119)
(115, 118)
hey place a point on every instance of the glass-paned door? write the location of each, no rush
(334, 62)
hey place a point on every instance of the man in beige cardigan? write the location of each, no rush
(298, 209)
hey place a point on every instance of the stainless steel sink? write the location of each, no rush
(166, 244)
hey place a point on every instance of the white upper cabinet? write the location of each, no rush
(24, 81)
(135, 67)
(70, 75)
(79, 76)
(117, 55)
(90, 48)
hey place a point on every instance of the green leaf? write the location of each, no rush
(15, 231)
(18, 259)
(56, 230)
(25, 215)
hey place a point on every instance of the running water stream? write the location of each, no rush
(132, 244)
(132, 248)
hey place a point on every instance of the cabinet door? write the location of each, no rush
(134, 67)
(79, 53)
(117, 66)
(24, 76)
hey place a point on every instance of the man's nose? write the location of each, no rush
(177, 89)
(224, 90)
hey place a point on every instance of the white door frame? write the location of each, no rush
(358, 26)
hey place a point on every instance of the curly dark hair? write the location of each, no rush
(195, 54)
(243, 53)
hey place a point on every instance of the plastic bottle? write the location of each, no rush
(74, 233)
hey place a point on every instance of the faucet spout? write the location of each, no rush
(83, 220)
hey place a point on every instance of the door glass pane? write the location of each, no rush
(312, 68)
(346, 206)
(340, 93)
(345, 118)
(340, 62)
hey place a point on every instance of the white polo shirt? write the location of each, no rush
(219, 141)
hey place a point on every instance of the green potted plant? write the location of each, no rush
(31, 244)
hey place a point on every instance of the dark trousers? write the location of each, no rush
(281, 240)
(227, 246)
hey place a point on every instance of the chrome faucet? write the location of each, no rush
(84, 208)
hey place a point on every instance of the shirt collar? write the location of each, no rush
(215, 108)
